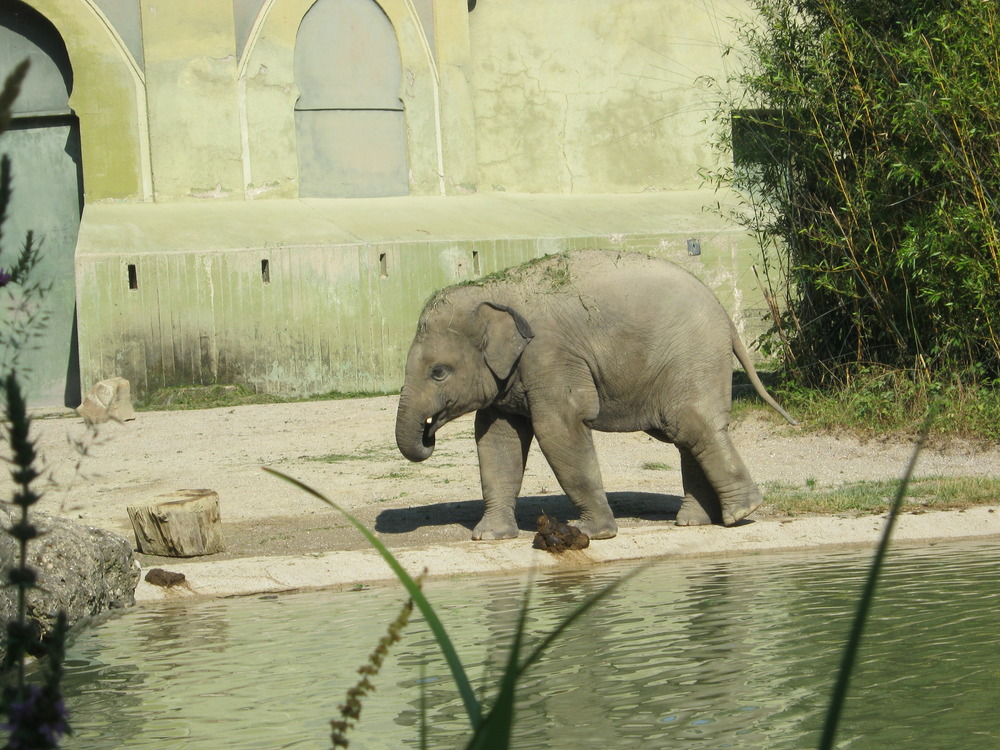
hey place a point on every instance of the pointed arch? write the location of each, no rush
(350, 128)
(109, 98)
(269, 93)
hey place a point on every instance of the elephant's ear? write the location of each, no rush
(507, 333)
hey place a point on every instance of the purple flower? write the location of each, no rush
(36, 721)
(4, 278)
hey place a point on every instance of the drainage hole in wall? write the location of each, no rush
(475, 262)
(383, 266)
(265, 271)
(133, 277)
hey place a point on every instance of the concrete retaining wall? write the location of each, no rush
(333, 304)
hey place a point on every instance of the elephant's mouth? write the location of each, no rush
(431, 426)
(419, 445)
(415, 437)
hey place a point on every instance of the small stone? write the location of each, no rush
(164, 578)
(109, 400)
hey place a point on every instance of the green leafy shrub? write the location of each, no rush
(864, 138)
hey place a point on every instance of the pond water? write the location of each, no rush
(736, 652)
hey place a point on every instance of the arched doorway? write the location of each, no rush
(43, 143)
(349, 121)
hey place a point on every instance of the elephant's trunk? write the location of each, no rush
(414, 436)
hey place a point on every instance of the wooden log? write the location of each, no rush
(186, 526)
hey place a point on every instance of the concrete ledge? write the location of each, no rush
(347, 568)
(110, 229)
(299, 297)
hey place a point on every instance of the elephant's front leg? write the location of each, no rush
(502, 441)
(568, 446)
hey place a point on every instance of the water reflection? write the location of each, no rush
(733, 653)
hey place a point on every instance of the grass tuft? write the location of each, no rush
(220, 395)
(927, 493)
(882, 402)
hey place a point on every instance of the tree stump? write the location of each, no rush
(186, 526)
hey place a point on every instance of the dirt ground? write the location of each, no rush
(346, 449)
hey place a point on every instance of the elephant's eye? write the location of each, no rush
(440, 372)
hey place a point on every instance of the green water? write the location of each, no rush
(736, 652)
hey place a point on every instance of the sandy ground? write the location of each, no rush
(279, 538)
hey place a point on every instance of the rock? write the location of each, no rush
(164, 578)
(81, 570)
(185, 523)
(110, 399)
(556, 537)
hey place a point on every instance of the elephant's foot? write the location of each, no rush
(597, 528)
(694, 513)
(496, 526)
(736, 511)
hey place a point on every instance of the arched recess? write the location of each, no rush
(43, 144)
(269, 95)
(349, 121)
(109, 100)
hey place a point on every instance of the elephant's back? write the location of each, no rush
(620, 308)
(598, 272)
(610, 285)
(640, 283)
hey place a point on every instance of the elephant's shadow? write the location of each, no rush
(646, 506)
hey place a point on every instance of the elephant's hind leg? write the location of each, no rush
(568, 446)
(724, 469)
(701, 505)
(712, 449)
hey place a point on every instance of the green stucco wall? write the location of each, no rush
(562, 96)
(530, 127)
(190, 65)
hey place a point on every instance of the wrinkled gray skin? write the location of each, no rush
(578, 342)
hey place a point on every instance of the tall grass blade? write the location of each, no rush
(465, 690)
(495, 730)
(500, 717)
(423, 707)
(581, 609)
(849, 658)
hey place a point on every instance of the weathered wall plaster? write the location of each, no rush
(581, 97)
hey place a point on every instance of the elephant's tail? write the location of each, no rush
(744, 357)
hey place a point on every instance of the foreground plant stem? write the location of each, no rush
(491, 731)
(849, 658)
(350, 710)
(35, 714)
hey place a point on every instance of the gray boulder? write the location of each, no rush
(82, 570)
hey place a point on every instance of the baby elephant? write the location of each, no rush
(576, 342)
